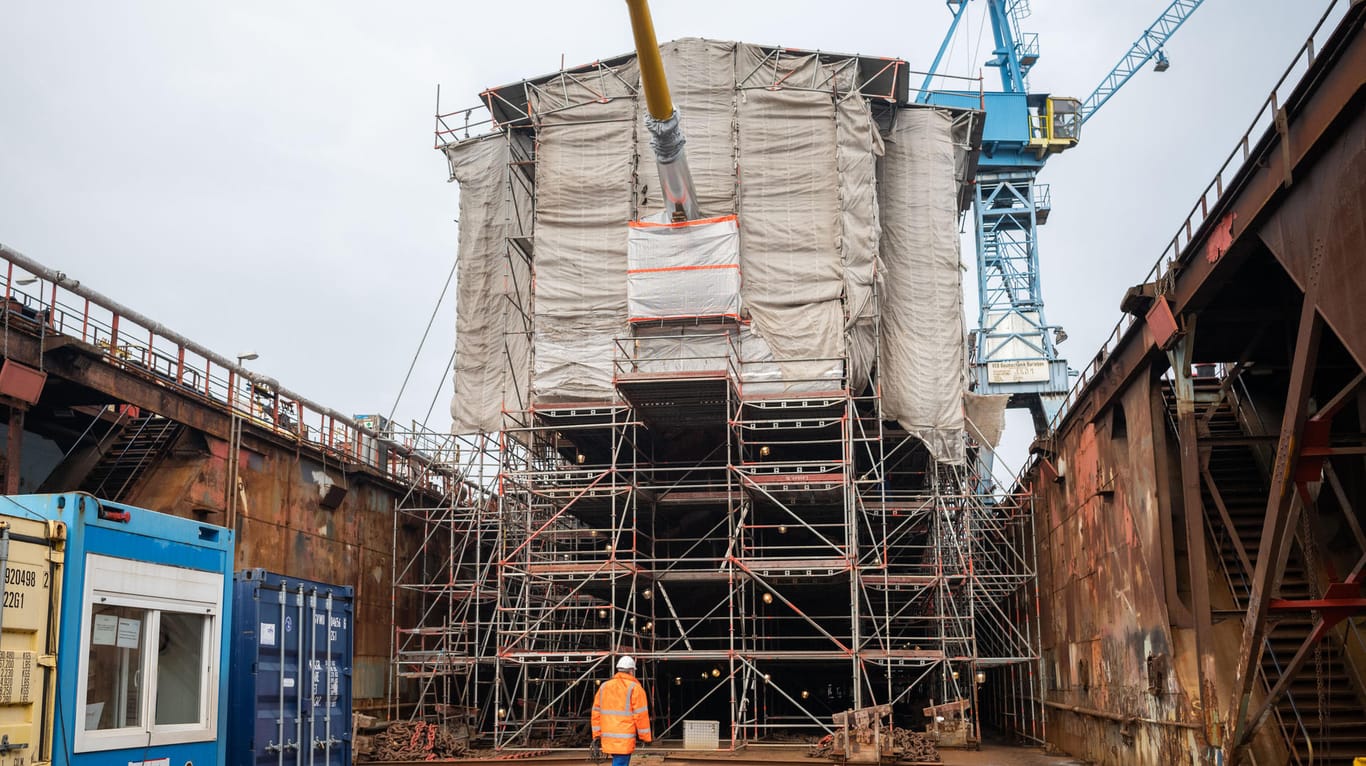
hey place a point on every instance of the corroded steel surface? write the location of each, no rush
(281, 525)
(1125, 489)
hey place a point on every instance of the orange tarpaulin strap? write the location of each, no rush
(735, 266)
(680, 224)
(687, 316)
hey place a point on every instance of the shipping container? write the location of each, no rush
(142, 651)
(31, 553)
(291, 672)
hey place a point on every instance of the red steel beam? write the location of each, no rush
(1320, 604)
(1188, 438)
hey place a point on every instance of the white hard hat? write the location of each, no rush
(626, 663)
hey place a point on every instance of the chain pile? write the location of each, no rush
(416, 741)
(910, 745)
(915, 746)
(822, 747)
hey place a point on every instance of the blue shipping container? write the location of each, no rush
(291, 672)
(142, 656)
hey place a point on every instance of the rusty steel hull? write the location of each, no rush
(1199, 535)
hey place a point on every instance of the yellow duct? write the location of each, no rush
(652, 79)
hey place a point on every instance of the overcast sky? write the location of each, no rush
(259, 176)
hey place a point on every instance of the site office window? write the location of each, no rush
(149, 653)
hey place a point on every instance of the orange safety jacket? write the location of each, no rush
(620, 714)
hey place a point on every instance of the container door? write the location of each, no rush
(279, 714)
(329, 665)
(31, 554)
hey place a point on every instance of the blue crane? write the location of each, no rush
(1014, 349)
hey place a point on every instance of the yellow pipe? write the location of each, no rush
(657, 99)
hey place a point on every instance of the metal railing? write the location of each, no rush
(1192, 229)
(54, 304)
(472, 122)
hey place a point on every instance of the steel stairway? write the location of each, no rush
(1322, 714)
(142, 443)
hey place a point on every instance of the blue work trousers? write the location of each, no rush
(621, 760)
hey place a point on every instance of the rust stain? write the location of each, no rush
(1105, 614)
(1220, 239)
(282, 527)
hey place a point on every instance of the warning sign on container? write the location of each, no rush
(106, 630)
(129, 633)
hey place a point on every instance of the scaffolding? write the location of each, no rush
(769, 554)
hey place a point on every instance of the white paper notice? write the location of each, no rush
(106, 629)
(267, 634)
(129, 632)
(92, 714)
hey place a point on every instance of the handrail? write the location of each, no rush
(132, 341)
(1192, 229)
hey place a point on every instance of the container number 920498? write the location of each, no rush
(26, 578)
(17, 581)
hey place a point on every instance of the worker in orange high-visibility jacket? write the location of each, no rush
(621, 714)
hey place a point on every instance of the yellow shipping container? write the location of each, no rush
(31, 553)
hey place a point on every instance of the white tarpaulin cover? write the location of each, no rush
(986, 416)
(790, 214)
(492, 349)
(683, 348)
(761, 374)
(688, 270)
(924, 353)
(585, 161)
(844, 232)
(857, 152)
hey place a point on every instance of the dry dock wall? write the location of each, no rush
(281, 527)
(1205, 478)
(1117, 635)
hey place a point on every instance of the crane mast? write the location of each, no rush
(1014, 348)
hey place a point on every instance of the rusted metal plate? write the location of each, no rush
(1325, 217)
(21, 382)
(1161, 324)
(1220, 238)
(1104, 593)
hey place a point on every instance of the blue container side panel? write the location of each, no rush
(140, 535)
(291, 675)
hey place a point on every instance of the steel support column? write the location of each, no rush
(1178, 612)
(1194, 512)
(1277, 528)
(14, 449)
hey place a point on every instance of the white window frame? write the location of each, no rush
(157, 588)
